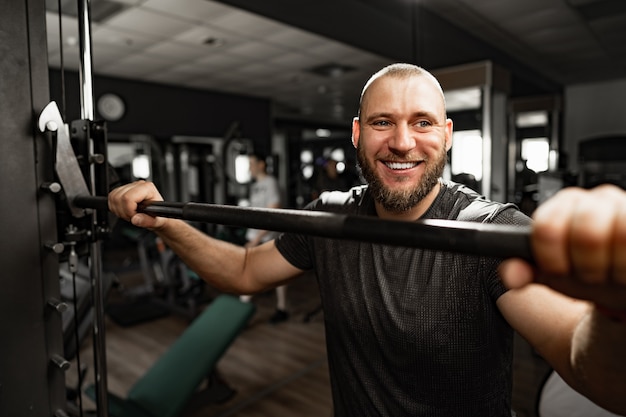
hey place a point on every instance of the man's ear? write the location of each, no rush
(356, 131)
(449, 129)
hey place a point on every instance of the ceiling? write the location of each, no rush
(317, 72)
(568, 41)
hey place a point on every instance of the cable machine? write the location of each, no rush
(32, 364)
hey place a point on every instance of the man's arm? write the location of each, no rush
(228, 267)
(579, 242)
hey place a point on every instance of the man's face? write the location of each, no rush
(256, 166)
(402, 137)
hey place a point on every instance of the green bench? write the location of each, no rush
(169, 385)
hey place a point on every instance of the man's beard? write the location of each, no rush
(402, 200)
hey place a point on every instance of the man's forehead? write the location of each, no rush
(391, 90)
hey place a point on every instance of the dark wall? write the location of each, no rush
(164, 111)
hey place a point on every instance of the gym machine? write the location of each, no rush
(80, 166)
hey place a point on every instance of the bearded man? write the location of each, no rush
(417, 332)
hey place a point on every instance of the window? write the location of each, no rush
(467, 153)
(141, 167)
(536, 153)
(242, 169)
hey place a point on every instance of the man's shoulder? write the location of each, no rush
(340, 201)
(269, 179)
(463, 203)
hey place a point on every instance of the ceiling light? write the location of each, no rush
(463, 99)
(532, 119)
(322, 133)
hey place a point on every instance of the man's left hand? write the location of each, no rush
(579, 245)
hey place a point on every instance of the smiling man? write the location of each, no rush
(403, 174)
(414, 332)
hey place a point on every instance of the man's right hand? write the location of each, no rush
(123, 202)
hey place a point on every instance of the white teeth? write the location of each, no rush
(400, 165)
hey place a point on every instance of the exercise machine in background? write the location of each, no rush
(166, 284)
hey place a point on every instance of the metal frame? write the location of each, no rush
(32, 367)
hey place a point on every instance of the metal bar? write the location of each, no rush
(468, 238)
(85, 70)
(87, 113)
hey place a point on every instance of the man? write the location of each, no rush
(425, 333)
(329, 179)
(265, 193)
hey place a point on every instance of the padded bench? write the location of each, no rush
(169, 385)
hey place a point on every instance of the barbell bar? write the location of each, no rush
(469, 238)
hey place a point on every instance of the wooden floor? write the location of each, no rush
(276, 370)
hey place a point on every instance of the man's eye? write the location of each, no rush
(424, 123)
(381, 123)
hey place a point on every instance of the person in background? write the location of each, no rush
(329, 179)
(419, 332)
(265, 193)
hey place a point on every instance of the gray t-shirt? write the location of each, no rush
(264, 193)
(411, 332)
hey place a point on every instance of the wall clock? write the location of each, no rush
(111, 107)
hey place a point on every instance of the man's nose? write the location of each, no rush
(403, 140)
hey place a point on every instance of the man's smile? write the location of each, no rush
(401, 165)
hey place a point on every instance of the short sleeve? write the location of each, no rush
(512, 217)
(295, 249)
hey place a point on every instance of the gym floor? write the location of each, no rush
(275, 369)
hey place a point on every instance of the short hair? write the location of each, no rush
(258, 155)
(400, 70)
